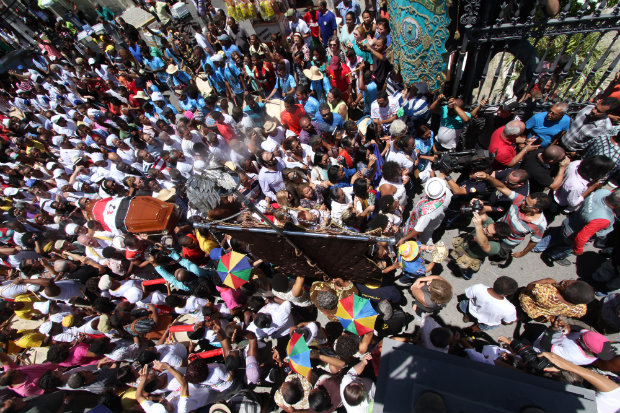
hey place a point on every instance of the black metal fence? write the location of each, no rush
(538, 54)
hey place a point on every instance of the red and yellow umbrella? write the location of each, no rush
(234, 269)
(299, 354)
(356, 315)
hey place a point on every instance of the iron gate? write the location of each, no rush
(514, 48)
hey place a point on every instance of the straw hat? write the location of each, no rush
(172, 69)
(409, 250)
(270, 126)
(141, 95)
(313, 73)
(166, 194)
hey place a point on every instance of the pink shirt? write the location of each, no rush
(232, 298)
(77, 357)
(33, 373)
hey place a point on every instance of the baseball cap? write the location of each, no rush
(104, 282)
(598, 344)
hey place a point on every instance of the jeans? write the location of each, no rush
(463, 307)
(555, 245)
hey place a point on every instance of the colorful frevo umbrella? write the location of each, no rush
(299, 354)
(234, 269)
(356, 315)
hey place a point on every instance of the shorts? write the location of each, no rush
(252, 372)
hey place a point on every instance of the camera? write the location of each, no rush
(448, 162)
(533, 363)
(476, 206)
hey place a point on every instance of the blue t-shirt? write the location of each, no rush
(232, 48)
(414, 267)
(284, 85)
(311, 107)
(327, 23)
(451, 121)
(336, 123)
(425, 146)
(370, 95)
(232, 74)
(546, 129)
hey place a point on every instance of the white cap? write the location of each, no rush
(91, 61)
(42, 306)
(92, 112)
(46, 327)
(50, 165)
(157, 97)
(109, 140)
(71, 228)
(10, 191)
(104, 282)
(58, 172)
(217, 57)
(157, 408)
(96, 156)
(435, 188)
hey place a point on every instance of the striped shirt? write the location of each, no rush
(519, 227)
(582, 130)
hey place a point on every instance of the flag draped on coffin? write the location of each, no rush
(419, 33)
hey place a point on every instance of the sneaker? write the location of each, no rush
(403, 283)
(563, 262)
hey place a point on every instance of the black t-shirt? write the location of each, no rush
(395, 325)
(541, 175)
(388, 292)
(83, 273)
(474, 189)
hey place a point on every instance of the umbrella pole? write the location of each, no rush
(278, 230)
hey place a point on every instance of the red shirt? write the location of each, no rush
(195, 255)
(226, 131)
(291, 120)
(266, 74)
(313, 23)
(504, 150)
(339, 78)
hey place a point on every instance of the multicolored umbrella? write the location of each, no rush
(234, 269)
(299, 354)
(356, 315)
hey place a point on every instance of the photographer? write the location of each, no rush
(484, 241)
(607, 392)
(469, 186)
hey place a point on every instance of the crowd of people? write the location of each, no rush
(351, 148)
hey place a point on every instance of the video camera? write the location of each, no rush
(449, 162)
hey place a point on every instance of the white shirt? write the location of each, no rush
(401, 158)
(281, 321)
(566, 347)
(131, 290)
(427, 326)
(487, 309)
(569, 194)
(608, 402)
(173, 354)
(383, 113)
(192, 305)
(365, 406)
(68, 290)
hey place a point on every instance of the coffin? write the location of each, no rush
(148, 214)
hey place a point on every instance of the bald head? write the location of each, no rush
(514, 129)
(553, 153)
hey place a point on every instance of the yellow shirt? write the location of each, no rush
(27, 311)
(206, 243)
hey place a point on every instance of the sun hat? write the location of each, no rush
(71, 228)
(166, 194)
(435, 188)
(141, 95)
(409, 251)
(313, 73)
(270, 126)
(172, 69)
